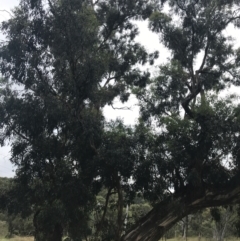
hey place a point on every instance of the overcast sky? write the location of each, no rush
(147, 38)
(6, 169)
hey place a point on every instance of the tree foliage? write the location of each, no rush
(64, 61)
(199, 129)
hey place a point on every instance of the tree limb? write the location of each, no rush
(6, 12)
(168, 212)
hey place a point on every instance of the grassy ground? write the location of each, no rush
(175, 239)
(3, 229)
(197, 239)
(3, 233)
(17, 239)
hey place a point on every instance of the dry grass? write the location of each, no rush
(3, 233)
(197, 239)
(18, 239)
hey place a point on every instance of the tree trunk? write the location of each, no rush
(168, 212)
(57, 233)
(185, 228)
(125, 220)
(120, 210)
(221, 226)
(40, 234)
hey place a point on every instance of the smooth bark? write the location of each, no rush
(168, 212)
(221, 226)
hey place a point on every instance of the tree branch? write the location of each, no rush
(189, 98)
(6, 12)
(109, 193)
(21, 135)
(166, 213)
(205, 55)
(121, 108)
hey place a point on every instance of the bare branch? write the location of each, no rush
(108, 80)
(121, 108)
(109, 193)
(205, 55)
(21, 135)
(185, 103)
(3, 10)
(51, 8)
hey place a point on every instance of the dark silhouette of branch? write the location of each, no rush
(3, 10)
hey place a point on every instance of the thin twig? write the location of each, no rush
(6, 12)
(121, 108)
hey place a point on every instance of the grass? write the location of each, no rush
(18, 239)
(197, 239)
(3, 229)
(3, 233)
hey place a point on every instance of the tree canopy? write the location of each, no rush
(64, 61)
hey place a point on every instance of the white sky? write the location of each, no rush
(6, 168)
(147, 38)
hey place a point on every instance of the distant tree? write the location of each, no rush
(235, 228)
(17, 215)
(105, 216)
(222, 218)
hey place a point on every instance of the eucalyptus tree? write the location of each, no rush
(62, 62)
(195, 162)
